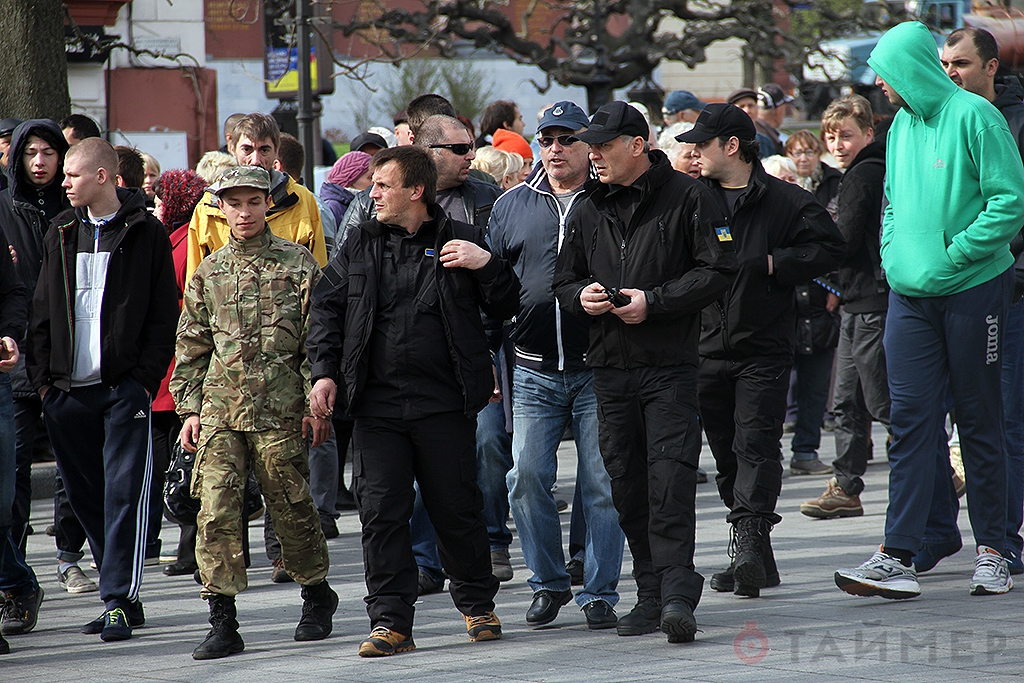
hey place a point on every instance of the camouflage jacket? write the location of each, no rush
(240, 356)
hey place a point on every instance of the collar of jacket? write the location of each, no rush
(375, 228)
(538, 179)
(251, 246)
(654, 177)
(280, 196)
(755, 186)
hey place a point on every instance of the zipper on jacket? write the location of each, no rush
(68, 310)
(661, 231)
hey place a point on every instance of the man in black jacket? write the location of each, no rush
(646, 250)
(396, 321)
(783, 237)
(467, 199)
(861, 392)
(101, 337)
(20, 593)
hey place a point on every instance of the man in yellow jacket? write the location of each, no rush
(293, 214)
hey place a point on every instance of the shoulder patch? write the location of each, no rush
(723, 234)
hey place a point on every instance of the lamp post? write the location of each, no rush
(304, 113)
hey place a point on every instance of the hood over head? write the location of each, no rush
(907, 58)
(47, 130)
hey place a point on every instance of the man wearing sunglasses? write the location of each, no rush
(645, 251)
(553, 385)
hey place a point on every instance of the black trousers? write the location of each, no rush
(742, 405)
(649, 434)
(439, 453)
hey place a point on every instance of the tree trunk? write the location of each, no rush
(33, 66)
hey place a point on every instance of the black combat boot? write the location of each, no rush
(724, 581)
(749, 567)
(645, 617)
(319, 603)
(223, 638)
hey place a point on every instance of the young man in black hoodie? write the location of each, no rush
(783, 238)
(101, 337)
(861, 391)
(32, 199)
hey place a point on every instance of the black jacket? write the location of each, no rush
(828, 186)
(1008, 101)
(139, 313)
(477, 195)
(25, 215)
(344, 307)
(861, 280)
(527, 228)
(13, 298)
(676, 247)
(757, 316)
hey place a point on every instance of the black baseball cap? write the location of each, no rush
(611, 121)
(719, 120)
(365, 139)
(7, 126)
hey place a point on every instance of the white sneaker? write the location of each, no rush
(991, 573)
(882, 575)
(74, 580)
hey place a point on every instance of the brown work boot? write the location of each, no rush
(383, 642)
(834, 502)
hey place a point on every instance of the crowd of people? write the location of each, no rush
(453, 305)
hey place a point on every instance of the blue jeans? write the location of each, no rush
(543, 404)
(15, 575)
(813, 374)
(933, 343)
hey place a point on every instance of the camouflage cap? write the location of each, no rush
(243, 176)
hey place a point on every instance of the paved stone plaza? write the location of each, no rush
(803, 630)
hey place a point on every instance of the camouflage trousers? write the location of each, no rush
(282, 468)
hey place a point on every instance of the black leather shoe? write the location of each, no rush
(180, 569)
(600, 615)
(545, 606)
(575, 569)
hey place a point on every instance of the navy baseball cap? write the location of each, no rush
(564, 114)
(718, 120)
(612, 120)
(681, 100)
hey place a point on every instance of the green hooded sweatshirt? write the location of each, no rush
(954, 177)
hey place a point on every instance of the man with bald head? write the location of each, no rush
(101, 338)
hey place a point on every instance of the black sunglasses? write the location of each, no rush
(459, 148)
(563, 140)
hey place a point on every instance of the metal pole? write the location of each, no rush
(304, 114)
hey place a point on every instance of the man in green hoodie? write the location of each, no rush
(955, 182)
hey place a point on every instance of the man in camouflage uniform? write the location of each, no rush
(239, 385)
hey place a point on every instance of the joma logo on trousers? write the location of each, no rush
(992, 347)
